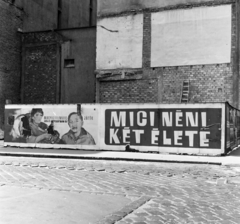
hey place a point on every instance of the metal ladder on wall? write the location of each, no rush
(185, 91)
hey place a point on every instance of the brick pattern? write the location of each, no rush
(208, 83)
(10, 55)
(41, 37)
(40, 74)
(130, 91)
(159, 192)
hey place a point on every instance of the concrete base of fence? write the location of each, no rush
(232, 158)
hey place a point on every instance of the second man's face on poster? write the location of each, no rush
(75, 123)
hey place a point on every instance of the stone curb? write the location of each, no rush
(107, 158)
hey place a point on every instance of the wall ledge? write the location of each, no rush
(171, 7)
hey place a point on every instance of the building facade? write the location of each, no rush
(11, 16)
(59, 51)
(140, 51)
(146, 50)
(48, 51)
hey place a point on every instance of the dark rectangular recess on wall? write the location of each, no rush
(69, 63)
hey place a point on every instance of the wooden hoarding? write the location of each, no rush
(170, 128)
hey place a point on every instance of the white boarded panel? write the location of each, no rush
(119, 42)
(191, 36)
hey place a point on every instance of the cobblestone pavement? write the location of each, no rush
(159, 192)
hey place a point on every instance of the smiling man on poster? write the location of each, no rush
(77, 134)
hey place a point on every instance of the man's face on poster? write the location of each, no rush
(75, 123)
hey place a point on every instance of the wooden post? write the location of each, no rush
(97, 91)
(23, 74)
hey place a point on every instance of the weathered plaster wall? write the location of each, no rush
(208, 83)
(197, 36)
(119, 42)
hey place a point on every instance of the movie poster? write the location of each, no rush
(169, 128)
(179, 127)
(62, 126)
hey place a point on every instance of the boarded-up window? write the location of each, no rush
(119, 42)
(191, 36)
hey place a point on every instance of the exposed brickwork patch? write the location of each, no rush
(209, 83)
(131, 91)
(40, 37)
(40, 74)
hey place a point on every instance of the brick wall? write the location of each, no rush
(208, 83)
(128, 91)
(40, 67)
(10, 55)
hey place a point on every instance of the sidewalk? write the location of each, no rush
(55, 206)
(232, 159)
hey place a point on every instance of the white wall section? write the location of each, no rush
(119, 42)
(194, 36)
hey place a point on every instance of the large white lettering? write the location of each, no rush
(177, 137)
(113, 136)
(190, 119)
(141, 118)
(166, 141)
(190, 135)
(154, 138)
(131, 117)
(126, 135)
(138, 134)
(204, 119)
(152, 118)
(204, 142)
(121, 120)
(167, 119)
(179, 119)
(175, 127)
